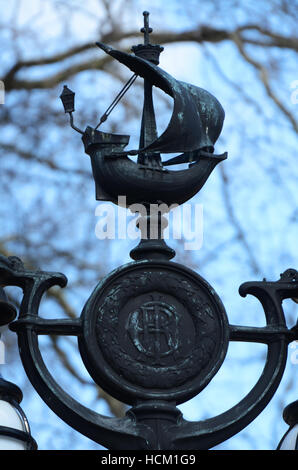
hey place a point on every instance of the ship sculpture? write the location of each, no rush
(195, 125)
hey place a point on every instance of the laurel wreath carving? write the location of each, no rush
(198, 304)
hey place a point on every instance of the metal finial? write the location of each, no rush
(146, 30)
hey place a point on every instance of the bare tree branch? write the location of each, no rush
(256, 268)
(200, 35)
(11, 148)
(265, 80)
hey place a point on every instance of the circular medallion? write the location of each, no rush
(153, 330)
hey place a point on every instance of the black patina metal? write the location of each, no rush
(122, 330)
(194, 127)
(153, 333)
(9, 392)
(153, 330)
(8, 311)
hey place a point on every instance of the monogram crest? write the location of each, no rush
(158, 326)
(153, 329)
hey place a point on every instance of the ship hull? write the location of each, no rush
(119, 176)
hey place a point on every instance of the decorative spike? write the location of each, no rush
(146, 30)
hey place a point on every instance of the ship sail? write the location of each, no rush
(197, 116)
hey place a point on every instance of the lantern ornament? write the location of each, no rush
(290, 439)
(14, 427)
(67, 98)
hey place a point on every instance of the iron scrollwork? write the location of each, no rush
(150, 403)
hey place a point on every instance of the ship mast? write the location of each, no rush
(148, 132)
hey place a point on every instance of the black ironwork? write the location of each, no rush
(67, 97)
(9, 392)
(12, 394)
(290, 416)
(7, 311)
(290, 413)
(153, 333)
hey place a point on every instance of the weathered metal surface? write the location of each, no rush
(110, 432)
(153, 330)
(197, 116)
(194, 127)
(119, 176)
(153, 333)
